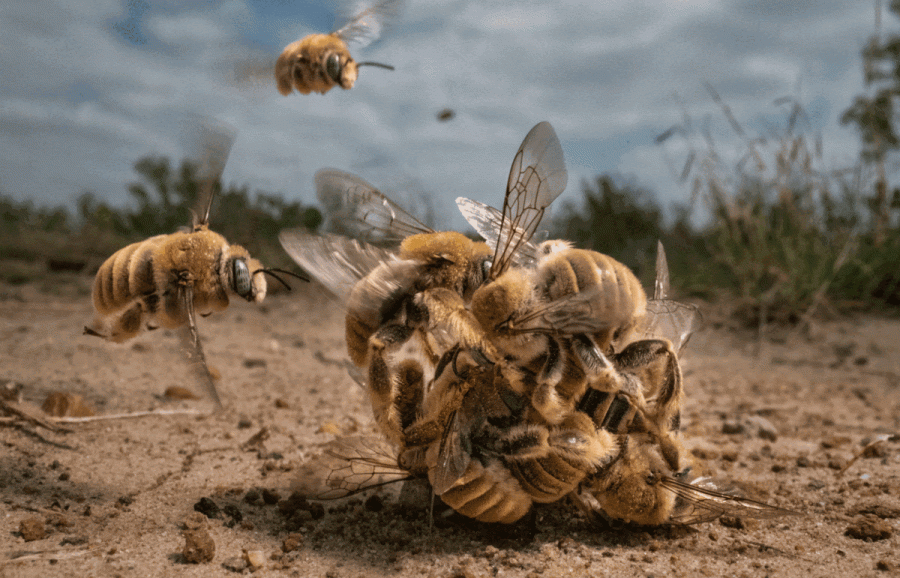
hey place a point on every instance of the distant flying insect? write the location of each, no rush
(319, 62)
(165, 280)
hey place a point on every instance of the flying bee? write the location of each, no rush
(319, 62)
(167, 279)
(423, 289)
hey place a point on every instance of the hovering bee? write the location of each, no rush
(165, 280)
(319, 62)
(426, 286)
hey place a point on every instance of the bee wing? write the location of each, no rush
(453, 460)
(701, 501)
(487, 220)
(584, 312)
(347, 466)
(214, 141)
(363, 24)
(661, 283)
(537, 176)
(666, 318)
(337, 262)
(194, 348)
(672, 320)
(359, 209)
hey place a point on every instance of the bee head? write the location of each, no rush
(241, 274)
(341, 69)
(495, 304)
(454, 261)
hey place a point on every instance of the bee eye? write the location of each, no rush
(486, 268)
(333, 67)
(240, 282)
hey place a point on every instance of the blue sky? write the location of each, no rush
(88, 87)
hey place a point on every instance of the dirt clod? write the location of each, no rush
(292, 542)
(869, 527)
(235, 564)
(208, 508)
(32, 529)
(198, 544)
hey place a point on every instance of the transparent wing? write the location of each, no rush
(487, 220)
(672, 320)
(701, 501)
(538, 175)
(666, 318)
(357, 209)
(214, 140)
(661, 283)
(347, 466)
(337, 262)
(453, 460)
(584, 312)
(194, 348)
(365, 22)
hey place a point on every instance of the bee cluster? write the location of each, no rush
(509, 372)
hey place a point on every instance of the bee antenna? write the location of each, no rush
(378, 64)
(271, 273)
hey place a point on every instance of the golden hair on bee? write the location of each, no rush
(167, 279)
(455, 257)
(316, 63)
(319, 62)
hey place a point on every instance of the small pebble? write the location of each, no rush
(255, 558)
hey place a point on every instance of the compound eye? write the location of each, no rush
(333, 67)
(241, 278)
(486, 268)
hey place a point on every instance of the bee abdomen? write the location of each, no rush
(546, 479)
(490, 494)
(125, 276)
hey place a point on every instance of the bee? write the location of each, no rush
(423, 289)
(167, 279)
(319, 62)
(643, 486)
(488, 457)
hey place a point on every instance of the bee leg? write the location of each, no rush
(655, 365)
(546, 398)
(451, 383)
(410, 388)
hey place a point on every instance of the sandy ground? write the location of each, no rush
(783, 419)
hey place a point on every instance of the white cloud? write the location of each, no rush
(78, 104)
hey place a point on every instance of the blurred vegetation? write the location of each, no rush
(769, 230)
(36, 240)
